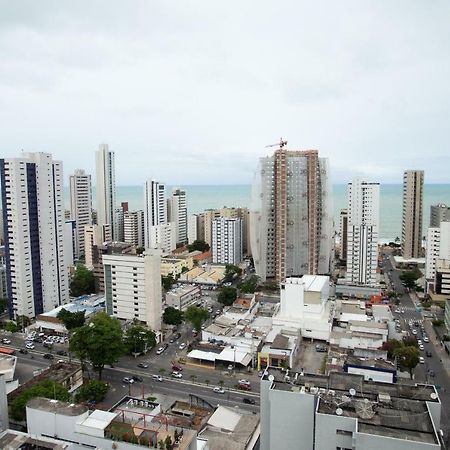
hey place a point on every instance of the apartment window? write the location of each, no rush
(344, 432)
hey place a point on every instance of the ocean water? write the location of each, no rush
(203, 197)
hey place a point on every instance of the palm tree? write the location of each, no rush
(162, 371)
(207, 382)
(193, 377)
(221, 382)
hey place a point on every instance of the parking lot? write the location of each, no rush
(308, 359)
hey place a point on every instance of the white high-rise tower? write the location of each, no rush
(178, 214)
(33, 214)
(80, 206)
(106, 189)
(155, 211)
(362, 232)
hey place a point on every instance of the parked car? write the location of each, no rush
(143, 365)
(182, 346)
(230, 367)
(157, 377)
(321, 348)
(219, 390)
(244, 387)
(425, 339)
(6, 341)
(160, 350)
(249, 401)
(177, 374)
(128, 380)
(48, 356)
(176, 368)
(29, 346)
(137, 378)
(421, 360)
(61, 353)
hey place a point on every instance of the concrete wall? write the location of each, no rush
(374, 442)
(334, 431)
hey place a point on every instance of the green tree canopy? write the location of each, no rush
(99, 341)
(45, 388)
(167, 281)
(71, 320)
(231, 272)
(407, 358)
(249, 286)
(409, 278)
(139, 338)
(93, 390)
(83, 282)
(3, 305)
(11, 326)
(196, 316)
(140, 250)
(172, 316)
(198, 245)
(227, 295)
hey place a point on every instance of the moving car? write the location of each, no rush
(182, 346)
(431, 373)
(137, 378)
(128, 380)
(161, 349)
(243, 381)
(23, 351)
(219, 390)
(48, 356)
(143, 365)
(157, 377)
(177, 374)
(61, 353)
(249, 401)
(428, 353)
(6, 341)
(421, 360)
(29, 346)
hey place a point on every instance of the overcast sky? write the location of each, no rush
(190, 92)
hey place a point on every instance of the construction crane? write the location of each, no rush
(280, 144)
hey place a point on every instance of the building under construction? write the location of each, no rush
(291, 221)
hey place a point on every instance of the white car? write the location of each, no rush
(219, 390)
(29, 346)
(414, 332)
(157, 377)
(177, 374)
(397, 311)
(419, 341)
(128, 380)
(160, 350)
(6, 341)
(425, 339)
(182, 346)
(421, 347)
(244, 382)
(421, 360)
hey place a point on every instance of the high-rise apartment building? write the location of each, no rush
(106, 189)
(412, 213)
(133, 288)
(437, 247)
(33, 215)
(155, 212)
(119, 216)
(439, 213)
(362, 232)
(134, 227)
(193, 221)
(177, 213)
(291, 221)
(163, 237)
(80, 207)
(227, 241)
(343, 227)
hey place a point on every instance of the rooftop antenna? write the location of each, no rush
(352, 392)
(280, 144)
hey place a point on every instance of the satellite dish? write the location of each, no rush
(271, 378)
(352, 392)
(366, 400)
(433, 395)
(339, 412)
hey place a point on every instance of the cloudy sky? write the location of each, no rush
(191, 92)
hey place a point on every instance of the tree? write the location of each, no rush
(140, 250)
(198, 245)
(71, 320)
(407, 358)
(249, 286)
(11, 327)
(46, 388)
(410, 341)
(227, 295)
(231, 272)
(172, 316)
(23, 322)
(196, 316)
(138, 339)
(409, 278)
(100, 342)
(390, 346)
(3, 305)
(83, 282)
(93, 390)
(167, 281)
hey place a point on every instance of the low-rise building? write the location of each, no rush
(209, 276)
(279, 350)
(175, 266)
(360, 335)
(305, 305)
(181, 297)
(344, 411)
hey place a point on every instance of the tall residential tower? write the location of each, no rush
(80, 207)
(106, 189)
(291, 221)
(412, 213)
(362, 232)
(33, 214)
(177, 212)
(155, 212)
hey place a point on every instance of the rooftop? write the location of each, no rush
(375, 405)
(15, 440)
(314, 283)
(57, 407)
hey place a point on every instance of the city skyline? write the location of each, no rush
(368, 88)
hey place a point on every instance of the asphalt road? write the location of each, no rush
(441, 377)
